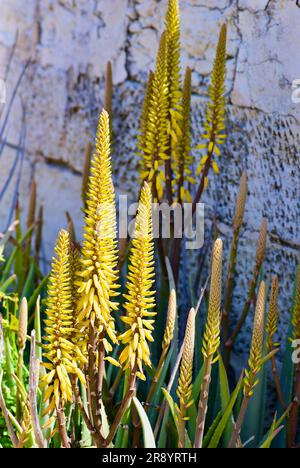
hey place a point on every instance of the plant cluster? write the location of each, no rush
(90, 358)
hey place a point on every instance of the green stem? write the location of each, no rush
(294, 413)
(277, 383)
(230, 284)
(121, 411)
(19, 409)
(181, 428)
(62, 429)
(93, 382)
(156, 377)
(231, 340)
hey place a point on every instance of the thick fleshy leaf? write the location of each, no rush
(226, 415)
(149, 441)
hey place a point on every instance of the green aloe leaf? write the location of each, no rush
(225, 399)
(211, 430)
(149, 441)
(226, 416)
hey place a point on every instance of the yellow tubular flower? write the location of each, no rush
(140, 297)
(97, 277)
(215, 114)
(183, 158)
(156, 141)
(211, 339)
(184, 390)
(272, 321)
(60, 352)
(256, 345)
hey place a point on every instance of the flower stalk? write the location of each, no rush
(184, 390)
(254, 363)
(21, 341)
(271, 329)
(211, 338)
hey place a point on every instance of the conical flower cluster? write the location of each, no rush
(97, 276)
(140, 296)
(60, 353)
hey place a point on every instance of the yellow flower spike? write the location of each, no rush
(171, 319)
(215, 113)
(211, 339)
(184, 390)
(262, 243)
(272, 320)
(240, 203)
(60, 352)
(173, 59)
(97, 276)
(155, 139)
(144, 116)
(23, 323)
(183, 158)
(139, 297)
(256, 345)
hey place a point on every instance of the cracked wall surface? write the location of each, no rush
(69, 43)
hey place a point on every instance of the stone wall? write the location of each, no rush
(69, 43)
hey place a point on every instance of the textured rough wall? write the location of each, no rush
(70, 41)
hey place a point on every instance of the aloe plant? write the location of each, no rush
(93, 355)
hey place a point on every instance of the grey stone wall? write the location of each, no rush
(70, 41)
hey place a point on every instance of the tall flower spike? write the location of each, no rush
(183, 158)
(156, 141)
(184, 390)
(173, 60)
(23, 324)
(108, 96)
(211, 339)
(215, 114)
(296, 309)
(144, 117)
(256, 345)
(174, 74)
(97, 277)
(140, 296)
(262, 242)
(59, 351)
(272, 321)
(171, 319)
(240, 203)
